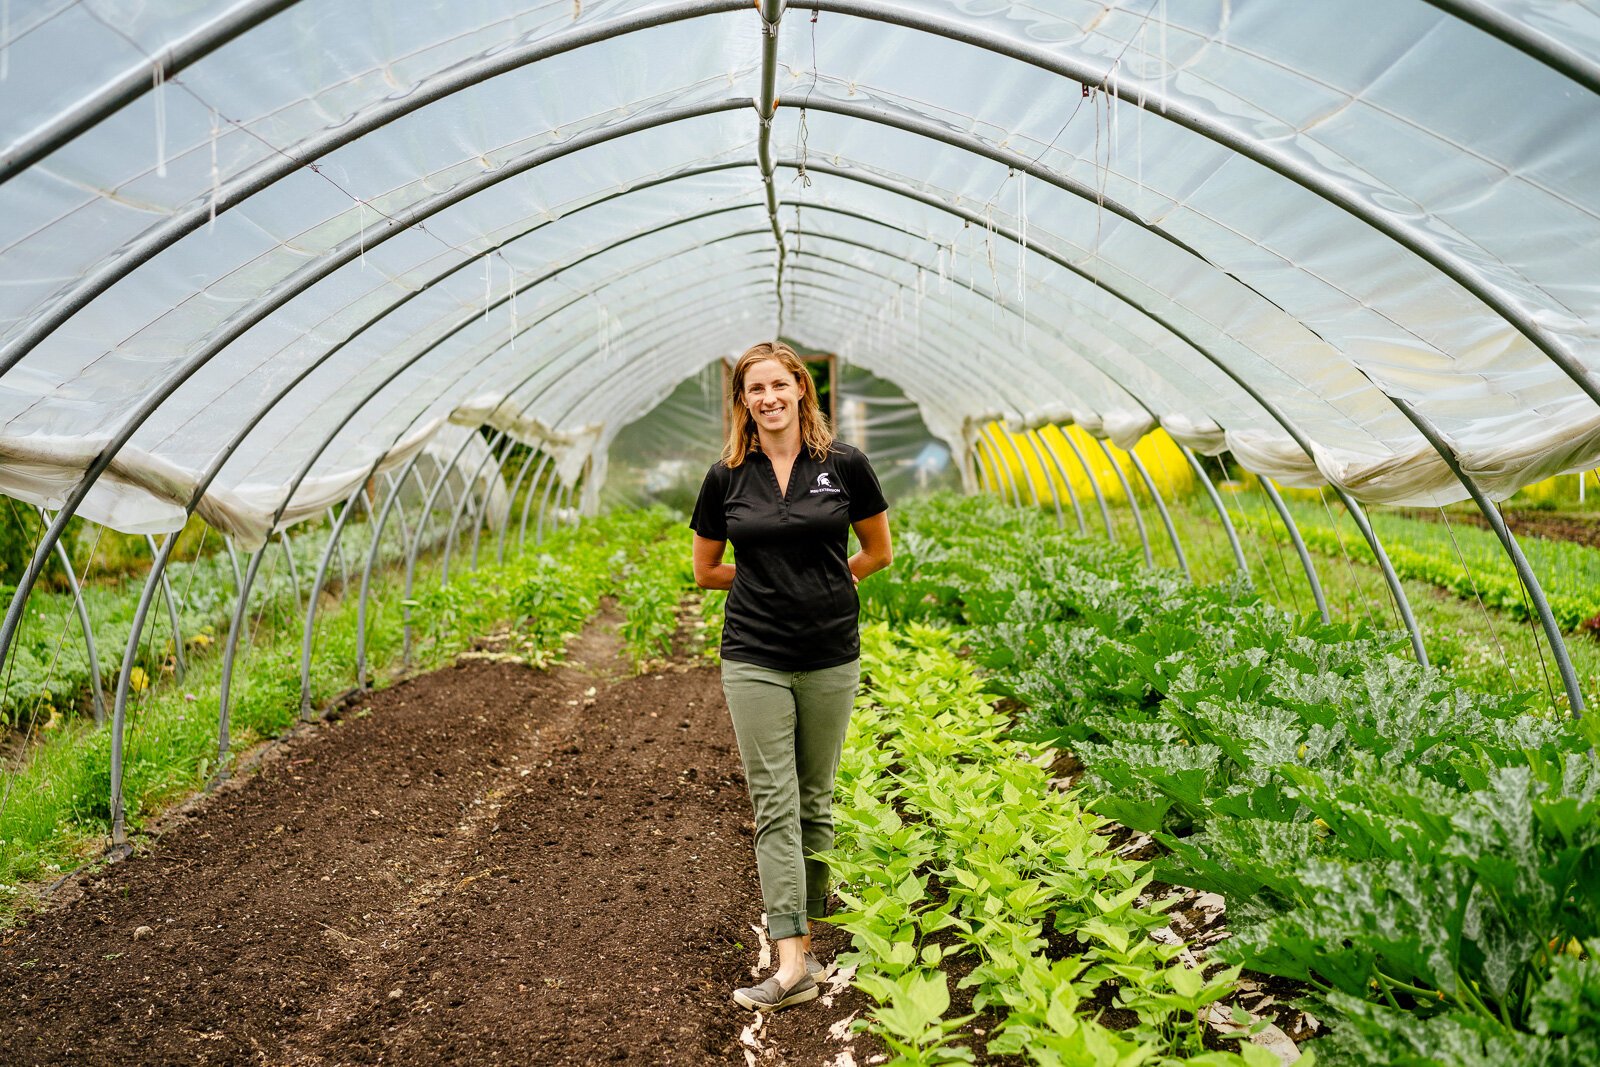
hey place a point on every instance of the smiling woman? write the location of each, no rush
(786, 494)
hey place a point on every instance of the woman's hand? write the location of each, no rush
(876, 552)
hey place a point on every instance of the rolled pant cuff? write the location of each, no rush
(787, 924)
(816, 907)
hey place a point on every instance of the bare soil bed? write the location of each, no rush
(486, 864)
(1551, 527)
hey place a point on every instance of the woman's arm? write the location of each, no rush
(876, 553)
(709, 570)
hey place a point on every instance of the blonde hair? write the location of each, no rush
(815, 433)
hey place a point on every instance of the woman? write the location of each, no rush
(786, 494)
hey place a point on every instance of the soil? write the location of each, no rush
(1543, 524)
(486, 864)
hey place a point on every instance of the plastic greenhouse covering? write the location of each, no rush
(427, 276)
(255, 252)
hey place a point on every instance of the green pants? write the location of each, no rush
(790, 726)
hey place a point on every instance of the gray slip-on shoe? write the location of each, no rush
(770, 996)
(818, 970)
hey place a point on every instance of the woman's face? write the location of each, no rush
(772, 395)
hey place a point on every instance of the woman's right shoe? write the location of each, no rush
(770, 995)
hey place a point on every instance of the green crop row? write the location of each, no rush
(1425, 857)
(545, 595)
(652, 587)
(1493, 581)
(952, 849)
(54, 808)
(1464, 559)
(47, 674)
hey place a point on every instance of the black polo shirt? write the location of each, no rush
(793, 605)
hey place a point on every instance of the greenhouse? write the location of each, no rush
(1230, 370)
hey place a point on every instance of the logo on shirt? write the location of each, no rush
(824, 484)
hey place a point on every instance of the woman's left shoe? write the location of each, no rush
(771, 995)
(818, 970)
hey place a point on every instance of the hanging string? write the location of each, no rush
(803, 134)
(188, 581)
(1022, 253)
(216, 173)
(801, 149)
(1138, 115)
(1102, 165)
(158, 87)
(160, 80)
(1494, 633)
(1163, 22)
(972, 261)
(488, 288)
(511, 298)
(1255, 541)
(1533, 624)
(988, 248)
(1355, 583)
(922, 289)
(361, 232)
(1277, 543)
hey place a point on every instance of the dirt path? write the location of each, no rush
(486, 864)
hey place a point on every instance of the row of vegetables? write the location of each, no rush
(957, 860)
(1425, 858)
(1464, 559)
(55, 809)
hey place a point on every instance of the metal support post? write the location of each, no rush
(344, 569)
(461, 507)
(1072, 494)
(544, 502)
(416, 543)
(500, 475)
(527, 499)
(1222, 513)
(1299, 545)
(83, 621)
(1133, 505)
(1055, 497)
(316, 592)
(1002, 473)
(230, 650)
(182, 668)
(119, 712)
(1094, 484)
(294, 574)
(233, 562)
(1389, 576)
(1547, 619)
(1022, 467)
(372, 557)
(1161, 509)
(987, 481)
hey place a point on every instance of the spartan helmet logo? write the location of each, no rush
(823, 481)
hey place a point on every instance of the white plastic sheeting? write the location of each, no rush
(469, 221)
